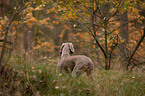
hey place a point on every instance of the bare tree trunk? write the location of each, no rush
(4, 44)
(124, 33)
(69, 31)
(67, 34)
(57, 38)
(37, 25)
(107, 60)
(19, 42)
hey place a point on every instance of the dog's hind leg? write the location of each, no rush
(76, 70)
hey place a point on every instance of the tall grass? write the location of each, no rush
(40, 78)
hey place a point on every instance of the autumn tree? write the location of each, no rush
(100, 19)
(136, 58)
(92, 15)
(7, 23)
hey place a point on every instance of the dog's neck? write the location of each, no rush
(65, 52)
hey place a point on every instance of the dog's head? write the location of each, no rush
(67, 46)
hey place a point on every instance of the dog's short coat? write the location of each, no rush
(75, 64)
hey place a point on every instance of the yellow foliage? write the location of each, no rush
(41, 45)
(27, 3)
(55, 22)
(108, 48)
(66, 27)
(34, 2)
(31, 8)
(29, 23)
(37, 47)
(94, 46)
(48, 11)
(52, 9)
(111, 44)
(1, 30)
(98, 33)
(6, 83)
(48, 50)
(65, 17)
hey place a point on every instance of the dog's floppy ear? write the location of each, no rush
(71, 48)
(60, 51)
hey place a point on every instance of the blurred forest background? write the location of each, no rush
(110, 32)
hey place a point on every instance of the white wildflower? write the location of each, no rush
(39, 71)
(60, 74)
(56, 87)
(34, 76)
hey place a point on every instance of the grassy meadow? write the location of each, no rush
(33, 78)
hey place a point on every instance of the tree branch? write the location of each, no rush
(135, 49)
(9, 42)
(97, 42)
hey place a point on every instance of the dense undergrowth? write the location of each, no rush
(29, 78)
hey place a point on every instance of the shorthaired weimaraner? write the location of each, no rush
(76, 64)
